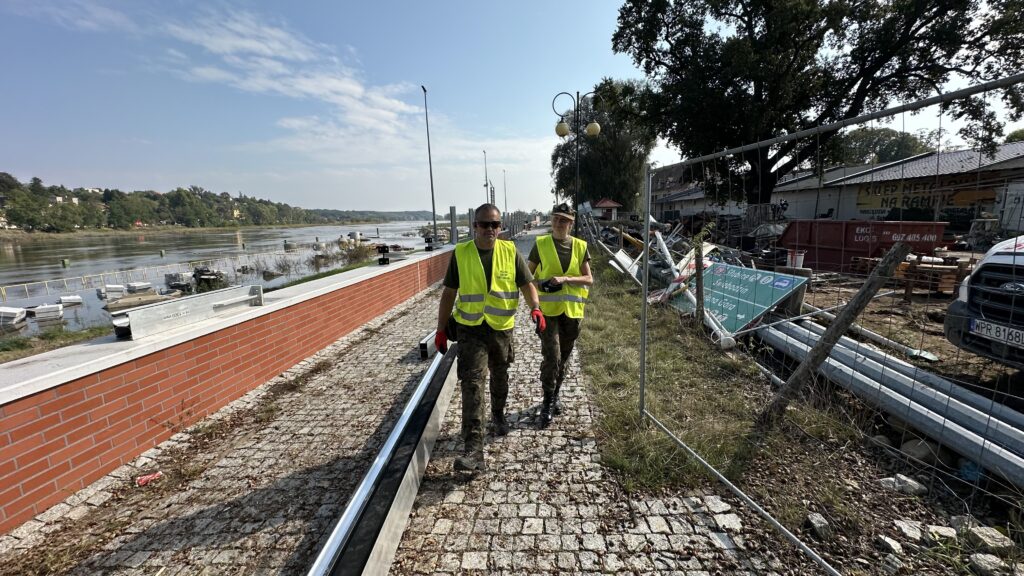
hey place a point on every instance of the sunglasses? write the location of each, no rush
(493, 225)
(562, 219)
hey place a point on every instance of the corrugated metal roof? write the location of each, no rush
(694, 193)
(806, 179)
(956, 162)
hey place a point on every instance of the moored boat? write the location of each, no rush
(11, 315)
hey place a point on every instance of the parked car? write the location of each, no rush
(987, 317)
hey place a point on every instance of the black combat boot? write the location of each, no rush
(545, 410)
(499, 425)
(471, 461)
(556, 406)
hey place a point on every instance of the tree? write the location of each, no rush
(611, 164)
(24, 209)
(733, 72)
(876, 145)
(8, 182)
(1015, 136)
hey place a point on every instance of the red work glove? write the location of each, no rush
(441, 341)
(538, 319)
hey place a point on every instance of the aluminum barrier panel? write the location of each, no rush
(156, 318)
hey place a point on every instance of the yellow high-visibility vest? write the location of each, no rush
(475, 302)
(571, 298)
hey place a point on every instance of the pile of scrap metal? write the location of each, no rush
(734, 295)
(985, 433)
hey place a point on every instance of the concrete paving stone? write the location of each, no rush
(612, 562)
(523, 560)
(456, 542)
(474, 561)
(549, 543)
(527, 526)
(722, 540)
(659, 525)
(442, 526)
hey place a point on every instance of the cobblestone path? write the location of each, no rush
(264, 497)
(546, 505)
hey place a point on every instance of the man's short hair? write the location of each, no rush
(485, 208)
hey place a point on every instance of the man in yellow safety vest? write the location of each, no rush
(561, 263)
(487, 274)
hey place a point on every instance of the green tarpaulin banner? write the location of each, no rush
(737, 296)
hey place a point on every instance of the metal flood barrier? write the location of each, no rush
(366, 537)
(162, 316)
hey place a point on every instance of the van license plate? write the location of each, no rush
(998, 332)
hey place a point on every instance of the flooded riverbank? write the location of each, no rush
(31, 272)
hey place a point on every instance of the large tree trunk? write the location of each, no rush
(761, 181)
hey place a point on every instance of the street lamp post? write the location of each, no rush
(486, 180)
(563, 130)
(430, 162)
(504, 186)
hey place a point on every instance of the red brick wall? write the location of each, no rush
(56, 442)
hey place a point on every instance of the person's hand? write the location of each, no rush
(441, 341)
(538, 319)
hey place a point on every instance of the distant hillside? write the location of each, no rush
(369, 215)
(34, 206)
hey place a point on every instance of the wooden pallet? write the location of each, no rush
(940, 278)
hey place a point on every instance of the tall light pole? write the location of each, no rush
(430, 162)
(563, 130)
(504, 186)
(486, 180)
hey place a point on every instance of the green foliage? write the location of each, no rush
(733, 72)
(14, 343)
(56, 209)
(611, 164)
(877, 145)
(1015, 136)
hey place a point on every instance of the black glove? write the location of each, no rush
(550, 285)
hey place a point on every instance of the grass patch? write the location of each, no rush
(691, 387)
(707, 397)
(15, 347)
(320, 275)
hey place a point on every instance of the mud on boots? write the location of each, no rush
(484, 280)
(561, 264)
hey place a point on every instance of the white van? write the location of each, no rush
(987, 317)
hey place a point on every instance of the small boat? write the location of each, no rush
(49, 311)
(10, 315)
(71, 300)
(111, 291)
(136, 287)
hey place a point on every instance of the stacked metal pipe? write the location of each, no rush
(978, 428)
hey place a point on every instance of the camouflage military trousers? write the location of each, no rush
(482, 350)
(556, 344)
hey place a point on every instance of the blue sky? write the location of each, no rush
(317, 104)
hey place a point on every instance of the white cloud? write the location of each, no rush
(243, 34)
(86, 15)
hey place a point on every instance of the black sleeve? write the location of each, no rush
(534, 255)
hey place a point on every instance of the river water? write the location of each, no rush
(38, 259)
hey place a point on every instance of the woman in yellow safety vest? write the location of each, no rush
(560, 263)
